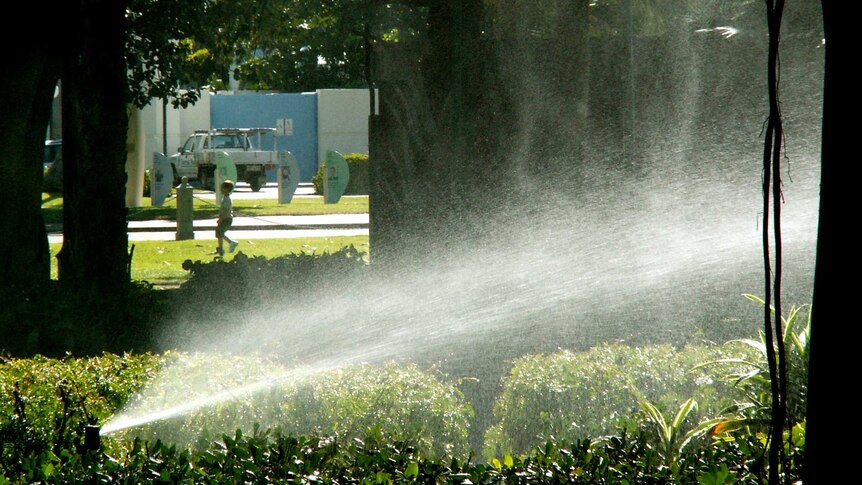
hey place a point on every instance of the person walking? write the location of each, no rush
(225, 219)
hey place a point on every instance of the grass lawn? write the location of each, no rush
(161, 262)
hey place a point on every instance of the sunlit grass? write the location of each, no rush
(205, 207)
(161, 262)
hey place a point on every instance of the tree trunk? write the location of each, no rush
(31, 76)
(95, 247)
(827, 429)
(423, 142)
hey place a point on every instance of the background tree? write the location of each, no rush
(95, 127)
(29, 78)
(83, 44)
(121, 57)
(163, 58)
(302, 45)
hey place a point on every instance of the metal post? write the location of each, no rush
(185, 211)
(92, 440)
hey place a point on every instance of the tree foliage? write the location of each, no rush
(175, 48)
(162, 57)
(301, 46)
(294, 46)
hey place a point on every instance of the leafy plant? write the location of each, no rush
(720, 475)
(672, 437)
(46, 403)
(753, 377)
(265, 457)
(216, 394)
(292, 275)
(382, 403)
(357, 398)
(576, 395)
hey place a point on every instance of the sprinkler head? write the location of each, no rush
(92, 439)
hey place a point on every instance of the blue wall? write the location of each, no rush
(262, 111)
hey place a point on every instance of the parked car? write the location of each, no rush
(52, 166)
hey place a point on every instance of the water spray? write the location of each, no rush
(122, 422)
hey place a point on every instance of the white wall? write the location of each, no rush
(342, 121)
(135, 160)
(181, 122)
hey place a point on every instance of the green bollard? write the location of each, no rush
(185, 211)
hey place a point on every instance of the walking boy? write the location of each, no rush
(225, 219)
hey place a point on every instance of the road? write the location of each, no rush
(262, 227)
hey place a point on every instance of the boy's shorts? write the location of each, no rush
(223, 226)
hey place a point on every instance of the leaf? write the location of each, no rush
(744, 377)
(412, 470)
(759, 346)
(754, 298)
(705, 428)
(382, 477)
(657, 417)
(727, 426)
(719, 476)
(684, 410)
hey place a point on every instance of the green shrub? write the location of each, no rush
(383, 421)
(577, 395)
(387, 403)
(390, 403)
(359, 182)
(265, 457)
(198, 397)
(286, 277)
(46, 403)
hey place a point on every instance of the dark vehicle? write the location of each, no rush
(52, 166)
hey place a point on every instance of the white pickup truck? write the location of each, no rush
(196, 159)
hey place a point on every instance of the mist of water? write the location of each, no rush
(123, 422)
(660, 256)
(567, 280)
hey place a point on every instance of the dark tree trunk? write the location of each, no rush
(423, 143)
(25, 103)
(95, 247)
(827, 424)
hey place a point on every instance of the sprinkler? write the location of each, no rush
(92, 438)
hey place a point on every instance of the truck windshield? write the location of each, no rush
(226, 141)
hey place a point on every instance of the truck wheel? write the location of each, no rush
(255, 184)
(176, 176)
